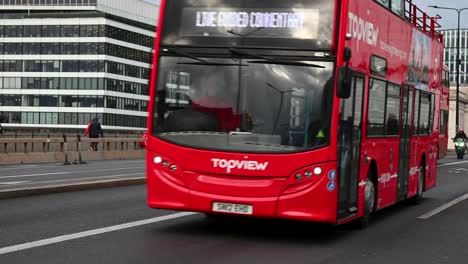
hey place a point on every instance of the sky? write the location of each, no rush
(449, 18)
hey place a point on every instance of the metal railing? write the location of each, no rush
(422, 20)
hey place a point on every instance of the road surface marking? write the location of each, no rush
(19, 167)
(59, 239)
(64, 172)
(450, 164)
(12, 183)
(117, 177)
(444, 207)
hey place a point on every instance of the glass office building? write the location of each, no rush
(63, 62)
(450, 38)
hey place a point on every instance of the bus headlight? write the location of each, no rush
(318, 171)
(157, 160)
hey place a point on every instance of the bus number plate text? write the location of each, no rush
(233, 208)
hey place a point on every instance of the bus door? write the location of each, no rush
(405, 141)
(349, 148)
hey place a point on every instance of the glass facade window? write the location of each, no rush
(32, 48)
(70, 31)
(11, 100)
(51, 31)
(11, 66)
(31, 100)
(32, 66)
(70, 66)
(13, 31)
(50, 66)
(70, 48)
(48, 101)
(129, 36)
(32, 31)
(50, 48)
(11, 83)
(12, 48)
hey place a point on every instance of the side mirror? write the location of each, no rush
(344, 83)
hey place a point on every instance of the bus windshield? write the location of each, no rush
(243, 105)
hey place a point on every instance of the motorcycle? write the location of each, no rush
(460, 147)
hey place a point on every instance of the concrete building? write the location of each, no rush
(463, 111)
(450, 38)
(63, 62)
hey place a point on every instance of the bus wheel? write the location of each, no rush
(419, 193)
(369, 203)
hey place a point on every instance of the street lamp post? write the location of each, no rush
(457, 64)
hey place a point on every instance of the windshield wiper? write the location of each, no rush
(211, 64)
(184, 54)
(268, 60)
(246, 53)
(232, 32)
(288, 62)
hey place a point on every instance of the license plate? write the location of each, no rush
(233, 208)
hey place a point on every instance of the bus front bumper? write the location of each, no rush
(317, 203)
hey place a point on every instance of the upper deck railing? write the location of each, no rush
(49, 2)
(422, 20)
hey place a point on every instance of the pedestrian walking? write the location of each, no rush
(94, 130)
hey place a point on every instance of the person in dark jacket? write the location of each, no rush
(94, 130)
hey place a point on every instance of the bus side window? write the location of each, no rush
(393, 110)
(385, 3)
(376, 109)
(397, 7)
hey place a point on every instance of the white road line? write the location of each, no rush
(65, 172)
(450, 164)
(55, 165)
(444, 207)
(12, 183)
(90, 178)
(117, 177)
(94, 232)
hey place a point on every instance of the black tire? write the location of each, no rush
(369, 203)
(419, 193)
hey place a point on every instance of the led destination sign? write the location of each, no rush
(251, 19)
(292, 24)
(268, 23)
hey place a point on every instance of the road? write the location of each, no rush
(87, 227)
(27, 176)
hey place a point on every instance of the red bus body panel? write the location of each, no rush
(274, 192)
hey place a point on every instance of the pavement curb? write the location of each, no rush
(60, 188)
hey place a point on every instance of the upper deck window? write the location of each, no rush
(385, 3)
(397, 6)
(296, 24)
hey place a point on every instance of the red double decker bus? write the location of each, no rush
(311, 110)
